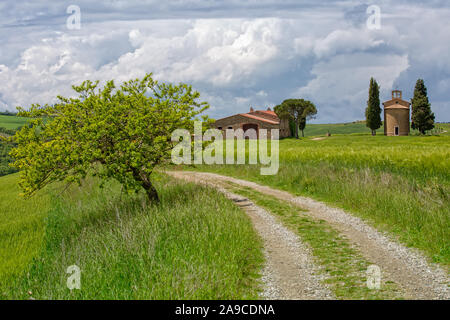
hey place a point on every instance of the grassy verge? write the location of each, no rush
(398, 185)
(194, 245)
(345, 267)
(21, 227)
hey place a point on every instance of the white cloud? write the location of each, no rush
(221, 52)
(330, 87)
(261, 93)
(345, 41)
(316, 51)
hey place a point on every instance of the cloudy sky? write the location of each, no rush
(236, 53)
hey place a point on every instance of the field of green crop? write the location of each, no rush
(12, 122)
(338, 128)
(399, 184)
(354, 128)
(194, 245)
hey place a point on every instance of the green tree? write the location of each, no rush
(422, 118)
(120, 133)
(297, 111)
(373, 110)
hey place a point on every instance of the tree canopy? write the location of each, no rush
(421, 116)
(113, 132)
(373, 110)
(297, 111)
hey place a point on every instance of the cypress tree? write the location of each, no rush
(373, 110)
(422, 118)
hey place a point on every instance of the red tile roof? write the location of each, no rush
(268, 112)
(252, 116)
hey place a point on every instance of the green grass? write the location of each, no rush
(355, 128)
(21, 227)
(194, 245)
(344, 266)
(445, 128)
(399, 184)
(12, 122)
(418, 158)
(338, 128)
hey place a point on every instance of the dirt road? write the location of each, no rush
(407, 267)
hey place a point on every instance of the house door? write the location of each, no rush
(248, 126)
(396, 131)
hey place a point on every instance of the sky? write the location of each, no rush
(237, 54)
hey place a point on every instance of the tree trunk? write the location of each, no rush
(303, 133)
(152, 194)
(296, 129)
(374, 132)
(150, 190)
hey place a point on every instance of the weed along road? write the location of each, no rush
(293, 270)
(290, 272)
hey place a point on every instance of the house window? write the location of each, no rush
(396, 131)
(220, 128)
(230, 127)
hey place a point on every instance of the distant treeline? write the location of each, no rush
(8, 113)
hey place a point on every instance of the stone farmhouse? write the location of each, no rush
(255, 119)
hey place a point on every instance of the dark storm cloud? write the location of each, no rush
(238, 53)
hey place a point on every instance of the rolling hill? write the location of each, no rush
(12, 122)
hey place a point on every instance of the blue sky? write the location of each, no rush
(236, 53)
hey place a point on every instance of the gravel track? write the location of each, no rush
(407, 267)
(289, 272)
